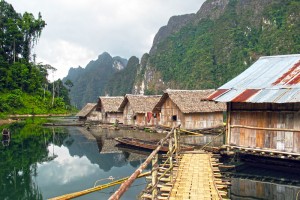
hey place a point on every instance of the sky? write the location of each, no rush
(78, 31)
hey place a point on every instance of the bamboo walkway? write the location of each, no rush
(195, 178)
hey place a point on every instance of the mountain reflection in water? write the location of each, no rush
(53, 162)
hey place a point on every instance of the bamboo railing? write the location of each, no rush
(153, 156)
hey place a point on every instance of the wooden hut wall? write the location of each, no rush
(250, 189)
(283, 116)
(128, 115)
(111, 117)
(202, 120)
(169, 111)
(140, 119)
(93, 115)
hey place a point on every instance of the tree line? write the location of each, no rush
(22, 80)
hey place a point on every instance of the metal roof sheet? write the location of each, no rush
(272, 79)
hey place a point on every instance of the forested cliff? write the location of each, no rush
(208, 48)
(220, 41)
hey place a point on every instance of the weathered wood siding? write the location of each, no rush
(285, 116)
(111, 117)
(94, 116)
(168, 110)
(202, 120)
(250, 189)
(128, 115)
(189, 120)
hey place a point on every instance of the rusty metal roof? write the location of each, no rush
(271, 79)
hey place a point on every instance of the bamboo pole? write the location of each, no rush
(154, 176)
(262, 128)
(171, 158)
(123, 188)
(94, 189)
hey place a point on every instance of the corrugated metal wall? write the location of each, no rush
(279, 116)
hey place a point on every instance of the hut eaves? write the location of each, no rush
(190, 101)
(271, 79)
(86, 110)
(140, 103)
(110, 104)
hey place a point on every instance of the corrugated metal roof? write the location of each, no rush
(271, 79)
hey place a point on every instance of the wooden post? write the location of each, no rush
(228, 132)
(154, 176)
(176, 143)
(171, 158)
(126, 184)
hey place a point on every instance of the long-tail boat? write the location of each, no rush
(148, 144)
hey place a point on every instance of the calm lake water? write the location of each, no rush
(41, 163)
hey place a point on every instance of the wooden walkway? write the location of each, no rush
(195, 178)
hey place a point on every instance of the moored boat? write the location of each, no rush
(148, 144)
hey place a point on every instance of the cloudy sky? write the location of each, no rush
(78, 31)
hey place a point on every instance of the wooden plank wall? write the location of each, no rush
(250, 189)
(111, 117)
(128, 115)
(202, 120)
(167, 111)
(188, 120)
(289, 118)
(94, 116)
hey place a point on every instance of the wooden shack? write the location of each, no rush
(108, 107)
(137, 110)
(263, 105)
(88, 113)
(186, 107)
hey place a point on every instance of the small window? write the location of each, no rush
(134, 117)
(174, 118)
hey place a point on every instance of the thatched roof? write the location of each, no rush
(140, 103)
(86, 110)
(190, 101)
(110, 104)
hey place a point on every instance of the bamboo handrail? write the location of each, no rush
(123, 188)
(183, 130)
(94, 189)
(262, 128)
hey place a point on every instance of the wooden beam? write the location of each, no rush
(262, 128)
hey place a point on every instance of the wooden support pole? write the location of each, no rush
(228, 131)
(171, 157)
(123, 188)
(154, 176)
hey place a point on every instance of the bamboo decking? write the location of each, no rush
(197, 177)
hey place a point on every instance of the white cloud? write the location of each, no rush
(78, 31)
(69, 168)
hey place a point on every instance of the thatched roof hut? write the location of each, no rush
(186, 107)
(137, 109)
(86, 110)
(109, 108)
